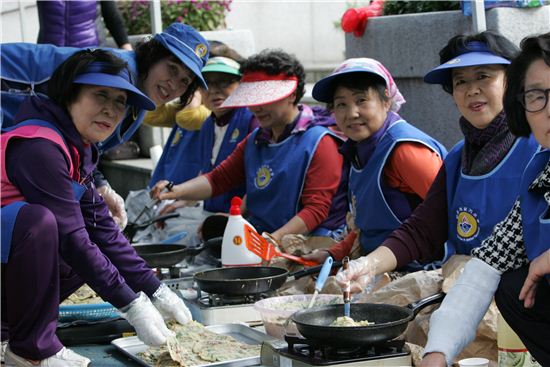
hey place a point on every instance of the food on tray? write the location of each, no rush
(348, 321)
(194, 345)
(83, 295)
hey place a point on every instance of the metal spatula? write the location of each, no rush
(347, 290)
(321, 279)
(267, 251)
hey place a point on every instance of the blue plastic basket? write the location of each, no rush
(87, 312)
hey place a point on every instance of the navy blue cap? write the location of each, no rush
(187, 45)
(94, 75)
(475, 53)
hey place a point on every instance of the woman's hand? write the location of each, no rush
(158, 188)
(360, 274)
(537, 270)
(434, 360)
(318, 256)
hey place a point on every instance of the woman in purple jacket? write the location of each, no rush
(56, 231)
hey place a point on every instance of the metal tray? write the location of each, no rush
(131, 346)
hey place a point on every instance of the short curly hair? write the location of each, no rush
(496, 43)
(277, 61)
(532, 49)
(150, 51)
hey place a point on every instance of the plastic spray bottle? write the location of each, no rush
(234, 250)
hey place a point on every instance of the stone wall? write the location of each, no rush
(408, 45)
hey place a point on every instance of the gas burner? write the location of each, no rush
(318, 354)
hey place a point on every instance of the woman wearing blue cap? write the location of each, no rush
(480, 176)
(513, 264)
(56, 231)
(392, 163)
(164, 67)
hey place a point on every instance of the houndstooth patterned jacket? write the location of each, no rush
(504, 250)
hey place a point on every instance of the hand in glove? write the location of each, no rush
(170, 305)
(360, 273)
(146, 319)
(116, 205)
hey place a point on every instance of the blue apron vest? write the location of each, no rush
(237, 130)
(535, 211)
(180, 160)
(371, 211)
(24, 66)
(9, 212)
(278, 171)
(476, 203)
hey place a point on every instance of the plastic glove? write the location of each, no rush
(170, 305)
(146, 319)
(360, 273)
(116, 205)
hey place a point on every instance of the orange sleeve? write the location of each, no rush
(412, 167)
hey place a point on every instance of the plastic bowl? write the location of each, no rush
(276, 311)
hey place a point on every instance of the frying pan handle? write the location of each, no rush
(425, 302)
(154, 220)
(313, 270)
(216, 241)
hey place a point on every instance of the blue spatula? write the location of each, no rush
(321, 279)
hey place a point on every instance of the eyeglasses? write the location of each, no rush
(534, 100)
(221, 83)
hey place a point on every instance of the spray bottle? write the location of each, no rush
(234, 250)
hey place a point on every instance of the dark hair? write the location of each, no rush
(360, 81)
(532, 49)
(496, 43)
(275, 62)
(148, 53)
(218, 48)
(61, 88)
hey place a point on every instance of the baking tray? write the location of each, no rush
(131, 346)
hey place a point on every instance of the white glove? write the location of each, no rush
(145, 318)
(360, 273)
(170, 305)
(116, 205)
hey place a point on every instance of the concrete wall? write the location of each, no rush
(304, 28)
(408, 46)
(11, 20)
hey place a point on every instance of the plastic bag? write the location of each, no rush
(489, 4)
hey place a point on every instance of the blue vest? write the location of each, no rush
(371, 211)
(25, 66)
(180, 160)
(237, 130)
(535, 211)
(275, 176)
(476, 203)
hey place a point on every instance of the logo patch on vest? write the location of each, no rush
(263, 177)
(467, 224)
(177, 137)
(234, 135)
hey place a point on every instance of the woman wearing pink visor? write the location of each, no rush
(480, 176)
(57, 233)
(290, 164)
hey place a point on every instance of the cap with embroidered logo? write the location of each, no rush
(188, 45)
(473, 54)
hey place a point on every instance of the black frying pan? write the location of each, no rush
(389, 322)
(242, 280)
(167, 255)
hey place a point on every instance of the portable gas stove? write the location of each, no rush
(215, 309)
(295, 351)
